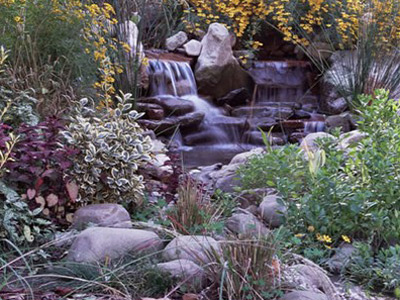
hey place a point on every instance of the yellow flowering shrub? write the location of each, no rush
(79, 29)
(299, 20)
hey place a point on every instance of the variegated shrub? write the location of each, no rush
(112, 148)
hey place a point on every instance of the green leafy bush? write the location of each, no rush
(112, 148)
(354, 193)
(375, 270)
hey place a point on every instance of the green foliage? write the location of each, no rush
(47, 54)
(112, 148)
(379, 270)
(354, 192)
(18, 223)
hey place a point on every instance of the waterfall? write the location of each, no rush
(177, 79)
(171, 78)
(279, 81)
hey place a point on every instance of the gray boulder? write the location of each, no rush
(102, 215)
(98, 243)
(199, 249)
(246, 224)
(193, 48)
(351, 139)
(272, 211)
(343, 121)
(174, 42)
(309, 142)
(184, 269)
(217, 70)
(339, 260)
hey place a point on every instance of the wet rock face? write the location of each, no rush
(217, 70)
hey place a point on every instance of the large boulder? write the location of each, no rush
(272, 211)
(99, 243)
(102, 215)
(199, 249)
(246, 224)
(217, 70)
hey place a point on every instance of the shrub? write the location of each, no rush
(375, 270)
(112, 148)
(38, 167)
(353, 193)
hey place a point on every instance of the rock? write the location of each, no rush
(256, 138)
(235, 98)
(309, 142)
(272, 211)
(175, 41)
(242, 158)
(350, 139)
(342, 121)
(246, 224)
(304, 295)
(173, 106)
(253, 197)
(98, 243)
(228, 183)
(192, 48)
(339, 260)
(152, 111)
(160, 127)
(102, 215)
(185, 269)
(191, 120)
(309, 278)
(217, 71)
(199, 249)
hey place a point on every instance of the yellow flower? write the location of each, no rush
(346, 239)
(311, 228)
(18, 19)
(300, 235)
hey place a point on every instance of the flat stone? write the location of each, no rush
(102, 215)
(199, 249)
(99, 243)
(173, 106)
(191, 120)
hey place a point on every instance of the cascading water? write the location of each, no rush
(177, 79)
(279, 81)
